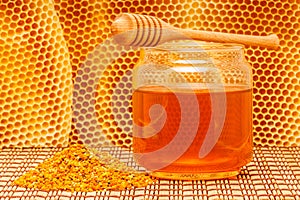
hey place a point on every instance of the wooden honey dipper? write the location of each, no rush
(147, 31)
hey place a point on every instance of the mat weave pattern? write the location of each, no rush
(274, 173)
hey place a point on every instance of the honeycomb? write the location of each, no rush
(35, 76)
(86, 24)
(275, 73)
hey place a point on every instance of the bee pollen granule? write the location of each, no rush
(77, 169)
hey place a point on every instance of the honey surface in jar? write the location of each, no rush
(232, 150)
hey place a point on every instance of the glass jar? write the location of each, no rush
(192, 110)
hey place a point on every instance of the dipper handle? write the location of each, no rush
(143, 30)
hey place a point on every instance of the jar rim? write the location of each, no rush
(193, 45)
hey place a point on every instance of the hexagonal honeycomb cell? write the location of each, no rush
(35, 76)
(86, 24)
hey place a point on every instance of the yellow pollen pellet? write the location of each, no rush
(77, 169)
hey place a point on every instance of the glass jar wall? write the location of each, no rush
(192, 110)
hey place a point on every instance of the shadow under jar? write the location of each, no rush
(192, 110)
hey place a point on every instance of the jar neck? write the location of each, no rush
(193, 53)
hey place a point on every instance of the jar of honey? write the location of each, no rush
(192, 110)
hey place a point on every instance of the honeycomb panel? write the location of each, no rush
(35, 76)
(275, 73)
(84, 25)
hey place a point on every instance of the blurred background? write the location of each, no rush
(44, 44)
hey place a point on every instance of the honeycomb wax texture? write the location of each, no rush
(276, 73)
(35, 76)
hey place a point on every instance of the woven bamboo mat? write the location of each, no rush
(274, 173)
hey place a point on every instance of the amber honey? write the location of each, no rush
(155, 150)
